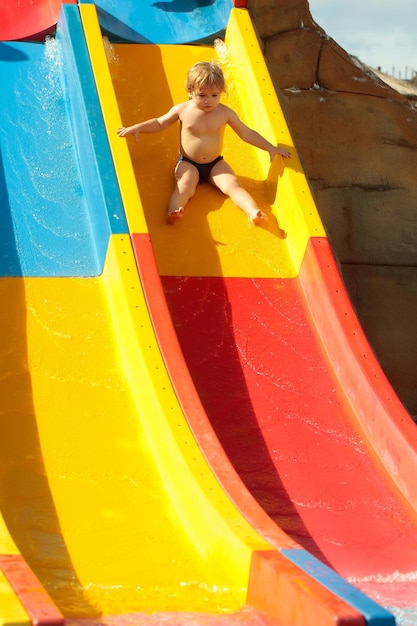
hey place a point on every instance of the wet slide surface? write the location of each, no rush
(45, 225)
(250, 343)
(118, 513)
(84, 497)
(90, 512)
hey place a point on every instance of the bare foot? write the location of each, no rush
(258, 217)
(175, 215)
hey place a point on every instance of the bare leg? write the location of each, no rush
(186, 177)
(224, 178)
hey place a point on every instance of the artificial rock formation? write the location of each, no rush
(357, 139)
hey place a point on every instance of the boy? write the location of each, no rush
(203, 120)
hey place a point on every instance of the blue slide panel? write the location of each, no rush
(59, 196)
(164, 22)
(373, 613)
(45, 227)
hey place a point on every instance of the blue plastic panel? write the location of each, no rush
(57, 211)
(374, 614)
(163, 22)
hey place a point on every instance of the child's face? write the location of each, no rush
(206, 98)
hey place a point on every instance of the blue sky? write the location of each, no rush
(381, 33)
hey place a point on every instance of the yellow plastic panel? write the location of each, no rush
(11, 611)
(198, 499)
(105, 490)
(294, 204)
(7, 545)
(215, 238)
(100, 50)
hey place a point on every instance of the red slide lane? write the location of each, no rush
(25, 19)
(287, 424)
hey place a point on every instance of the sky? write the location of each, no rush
(381, 33)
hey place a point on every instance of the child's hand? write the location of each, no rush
(128, 130)
(281, 151)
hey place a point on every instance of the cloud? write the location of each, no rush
(379, 35)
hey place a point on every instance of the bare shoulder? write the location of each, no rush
(182, 108)
(171, 116)
(226, 110)
(181, 105)
(230, 115)
(177, 109)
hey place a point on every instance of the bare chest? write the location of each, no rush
(206, 124)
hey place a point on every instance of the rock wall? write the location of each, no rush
(357, 139)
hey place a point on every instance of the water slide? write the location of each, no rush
(194, 429)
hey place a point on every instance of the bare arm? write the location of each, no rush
(254, 138)
(153, 125)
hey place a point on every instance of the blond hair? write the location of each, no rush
(205, 74)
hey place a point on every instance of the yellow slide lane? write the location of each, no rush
(148, 80)
(104, 489)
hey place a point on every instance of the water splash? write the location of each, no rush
(224, 60)
(393, 591)
(222, 53)
(404, 617)
(111, 54)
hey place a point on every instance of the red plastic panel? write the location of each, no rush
(35, 600)
(276, 403)
(280, 590)
(25, 19)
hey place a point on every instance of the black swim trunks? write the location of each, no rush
(204, 169)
